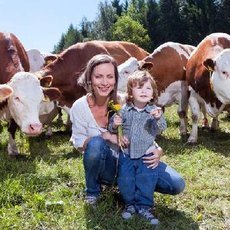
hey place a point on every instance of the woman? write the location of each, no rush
(89, 131)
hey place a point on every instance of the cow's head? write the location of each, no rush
(5, 92)
(219, 68)
(127, 68)
(24, 104)
(36, 60)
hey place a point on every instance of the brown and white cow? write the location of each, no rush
(167, 65)
(22, 107)
(72, 61)
(5, 92)
(199, 70)
(48, 109)
(219, 68)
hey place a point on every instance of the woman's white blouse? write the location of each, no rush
(84, 124)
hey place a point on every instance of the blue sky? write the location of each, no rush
(40, 23)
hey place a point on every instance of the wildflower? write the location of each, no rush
(116, 108)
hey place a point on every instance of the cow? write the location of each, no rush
(167, 66)
(5, 92)
(219, 68)
(71, 62)
(36, 60)
(22, 107)
(205, 61)
(48, 109)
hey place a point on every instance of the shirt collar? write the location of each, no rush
(147, 108)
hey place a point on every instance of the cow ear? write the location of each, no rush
(209, 64)
(46, 81)
(5, 91)
(145, 65)
(51, 94)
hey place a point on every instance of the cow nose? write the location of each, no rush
(35, 128)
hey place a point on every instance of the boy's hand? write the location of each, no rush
(156, 112)
(117, 121)
(124, 142)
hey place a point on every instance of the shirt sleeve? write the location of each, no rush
(161, 125)
(79, 127)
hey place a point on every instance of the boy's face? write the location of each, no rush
(142, 94)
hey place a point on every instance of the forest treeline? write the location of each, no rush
(149, 23)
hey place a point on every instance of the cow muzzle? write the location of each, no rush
(33, 129)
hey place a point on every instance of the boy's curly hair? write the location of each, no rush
(139, 78)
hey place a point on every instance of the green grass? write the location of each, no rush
(50, 170)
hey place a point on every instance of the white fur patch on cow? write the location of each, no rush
(170, 95)
(220, 78)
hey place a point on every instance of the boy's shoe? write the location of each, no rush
(128, 212)
(146, 213)
(92, 200)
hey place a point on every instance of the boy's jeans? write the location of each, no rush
(136, 182)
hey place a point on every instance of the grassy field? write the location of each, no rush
(44, 187)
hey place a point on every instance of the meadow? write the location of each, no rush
(43, 188)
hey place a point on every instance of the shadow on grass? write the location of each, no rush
(217, 141)
(107, 215)
(32, 150)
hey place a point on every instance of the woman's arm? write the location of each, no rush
(110, 137)
(79, 135)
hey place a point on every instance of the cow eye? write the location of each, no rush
(224, 72)
(17, 98)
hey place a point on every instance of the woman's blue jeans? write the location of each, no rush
(100, 168)
(100, 165)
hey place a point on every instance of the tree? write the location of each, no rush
(137, 10)
(60, 46)
(71, 37)
(223, 17)
(86, 29)
(119, 7)
(171, 22)
(153, 25)
(127, 29)
(102, 27)
(200, 17)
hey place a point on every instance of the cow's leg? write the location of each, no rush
(68, 124)
(205, 124)
(59, 119)
(215, 123)
(183, 109)
(195, 110)
(12, 148)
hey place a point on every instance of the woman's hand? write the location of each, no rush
(110, 137)
(153, 160)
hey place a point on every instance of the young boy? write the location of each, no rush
(141, 121)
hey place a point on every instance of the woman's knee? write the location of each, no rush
(94, 148)
(178, 186)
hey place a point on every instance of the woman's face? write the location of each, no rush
(103, 80)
